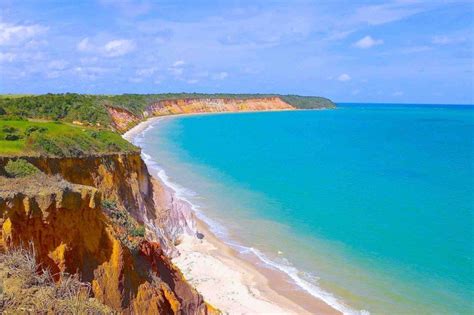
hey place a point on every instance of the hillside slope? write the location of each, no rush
(122, 112)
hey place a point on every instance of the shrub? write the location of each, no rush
(138, 231)
(48, 146)
(20, 168)
(11, 133)
(109, 204)
(2, 111)
(12, 137)
(32, 129)
(9, 129)
(129, 227)
(13, 117)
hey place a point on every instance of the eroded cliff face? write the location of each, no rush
(122, 178)
(187, 106)
(70, 233)
(122, 119)
(125, 180)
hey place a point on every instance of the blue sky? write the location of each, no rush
(361, 51)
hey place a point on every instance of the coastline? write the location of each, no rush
(244, 286)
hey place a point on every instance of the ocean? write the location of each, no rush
(368, 206)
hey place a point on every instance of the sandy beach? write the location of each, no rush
(231, 283)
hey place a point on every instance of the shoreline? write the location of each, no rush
(244, 286)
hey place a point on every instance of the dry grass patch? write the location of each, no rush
(27, 288)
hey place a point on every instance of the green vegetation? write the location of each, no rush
(137, 103)
(130, 228)
(27, 288)
(68, 107)
(20, 168)
(308, 102)
(23, 137)
(91, 109)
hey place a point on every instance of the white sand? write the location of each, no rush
(227, 283)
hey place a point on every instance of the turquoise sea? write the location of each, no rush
(369, 206)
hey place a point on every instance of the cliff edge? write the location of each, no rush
(74, 231)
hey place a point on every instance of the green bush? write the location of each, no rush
(20, 168)
(12, 137)
(32, 129)
(122, 218)
(9, 129)
(138, 231)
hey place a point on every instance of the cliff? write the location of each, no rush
(70, 232)
(123, 120)
(210, 105)
(122, 178)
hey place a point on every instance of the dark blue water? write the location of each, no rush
(375, 200)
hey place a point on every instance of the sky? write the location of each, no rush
(398, 51)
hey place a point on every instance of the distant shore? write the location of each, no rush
(228, 282)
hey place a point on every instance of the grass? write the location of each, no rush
(29, 137)
(27, 288)
(20, 168)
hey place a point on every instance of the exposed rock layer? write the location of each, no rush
(122, 178)
(210, 105)
(70, 233)
(123, 119)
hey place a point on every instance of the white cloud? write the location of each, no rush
(176, 71)
(367, 42)
(446, 40)
(220, 76)
(84, 45)
(372, 15)
(415, 49)
(119, 47)
(53, 74)
(176, 68)
(178, 63)
(386, 13)
(146, 72)
(57, 64)
(7, 57)
(398, 93)
(15, 34)
(113, 48)
(135, 80)
(90, 73)
(192, 81)
(88, 60)
(344, 77)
